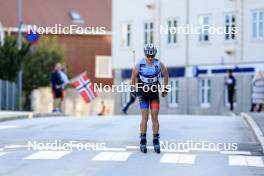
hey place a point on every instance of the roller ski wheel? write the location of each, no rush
(157, 149)
(156, 143)
(143, 148)
(143, 143)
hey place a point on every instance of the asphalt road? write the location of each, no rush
(108, 146)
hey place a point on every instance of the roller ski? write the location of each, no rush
(143, 143)
(156, 143)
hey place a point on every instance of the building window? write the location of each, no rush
(230, 27)
(258, 25)
(126, 35)
(173, 97)
(172, 34)
(103, 67)
(204, 32)
(205, 92)
(148, 32)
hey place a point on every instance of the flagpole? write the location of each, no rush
(77, 77)
(134, 58)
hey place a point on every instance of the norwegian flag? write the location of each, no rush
(85, 88)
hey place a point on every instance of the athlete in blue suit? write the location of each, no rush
(145, 84)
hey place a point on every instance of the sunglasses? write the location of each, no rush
(152, 56)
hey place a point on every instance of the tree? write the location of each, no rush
(11, 58)
(39, 64)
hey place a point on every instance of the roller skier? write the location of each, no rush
(145, 84)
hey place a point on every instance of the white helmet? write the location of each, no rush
(150, 49)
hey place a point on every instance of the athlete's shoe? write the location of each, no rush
(156, 143)
(143, 143)
(124, 112)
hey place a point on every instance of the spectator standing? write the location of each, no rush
(258, 91)
(64, 77)
(231, 84)
(103, 110)
(57, 88)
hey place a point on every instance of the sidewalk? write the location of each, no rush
(259, 119)
(16, 115)
(256, 122)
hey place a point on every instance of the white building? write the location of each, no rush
(197, 62)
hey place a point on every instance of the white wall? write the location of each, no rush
(214, 50)
(128, 11)
(199, 54)
(253, 50)
(173, 55)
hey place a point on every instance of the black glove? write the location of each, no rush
(165, 92)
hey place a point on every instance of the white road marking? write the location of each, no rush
(132, 147)
(83, 146)
(162, 150)
(15, 146)
(236, 152)
(237, 160)
(178, 158)
(150, 147)
(255, 161)
(111, 149)
(48, 148)
(137, 147)
(32, 147)
(112, 156)
(205, 149)
(3, 153)
(174, 151)
(8, 126)
(48, 155)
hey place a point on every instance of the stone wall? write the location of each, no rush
(73, 103)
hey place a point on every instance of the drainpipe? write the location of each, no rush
(187, 48)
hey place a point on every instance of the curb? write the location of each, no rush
(44, 115)
(31, 116)
(233, 114)
(255, 128)
(17, 117)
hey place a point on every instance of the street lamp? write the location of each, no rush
(19, 44)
